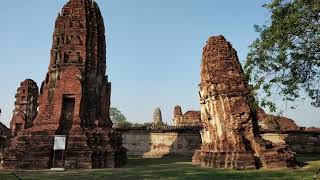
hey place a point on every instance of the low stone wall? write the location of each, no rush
(184, 141)
(151, 143)
(302, 142)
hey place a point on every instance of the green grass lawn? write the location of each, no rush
(172, 168)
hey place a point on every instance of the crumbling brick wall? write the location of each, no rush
(190, 118)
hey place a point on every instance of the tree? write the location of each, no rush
(116, 116)
(285, 59)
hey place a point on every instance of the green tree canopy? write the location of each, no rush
(285, 59)
(116, 116)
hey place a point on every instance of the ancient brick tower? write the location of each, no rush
(26, 105)
(230, 136)
(74, 99)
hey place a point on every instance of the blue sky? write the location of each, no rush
(154, 49)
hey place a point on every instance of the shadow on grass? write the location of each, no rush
(170, 168)
(309, 158)
(303, 160)
(137, 161)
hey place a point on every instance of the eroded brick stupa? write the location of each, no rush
(230, 136)
(74, 99)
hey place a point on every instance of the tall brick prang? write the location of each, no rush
(74, 99)
(230, 137)
(26, 105)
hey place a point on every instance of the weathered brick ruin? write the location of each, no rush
(269, 122)
(190, 118)
(230, 138)
(74, 99)
(5, 135)
(26, 105)
(312, 129)
(157, 116)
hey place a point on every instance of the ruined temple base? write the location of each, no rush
(279, 156)
(85, 149)
(268, 155)
(236, 160)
